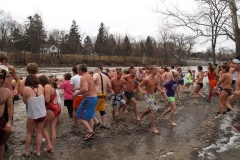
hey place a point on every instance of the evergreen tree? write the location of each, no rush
(74, 39)
(88, 46)
(127, 49)
(35, 32)
(101, 40)
(149, 47)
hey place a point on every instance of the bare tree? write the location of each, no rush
(207, 22)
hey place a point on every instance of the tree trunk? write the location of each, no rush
(233, 8)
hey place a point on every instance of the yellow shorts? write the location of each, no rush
(101, 102)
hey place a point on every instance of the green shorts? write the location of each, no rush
(171, 99)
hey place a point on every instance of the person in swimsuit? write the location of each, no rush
(34, 98)
(86, 110)
(226, 81)
(150, 84)
(199, 85)
(212, 81)
(53, 111)
(102, 85)
(171, 88)
(116, 91)
(6, 111)
(130, 81)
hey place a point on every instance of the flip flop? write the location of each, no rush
(89, 136)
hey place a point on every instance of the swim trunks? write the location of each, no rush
(129, 94)
(150, 99)
(229, 91)
(236, 119)
(117, 98)
(77, 101)
(86, 109)
(101, 102)
(171, 99)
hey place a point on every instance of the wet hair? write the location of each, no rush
(32, 81)
(3, 57)
(32, 68)
(82, 67)
(67, 76)
(74, 69)
(200, 68)
(166, 69)
(43, 80)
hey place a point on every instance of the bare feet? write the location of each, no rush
(155, 131)
(173, 124)
(138, 118)
(25, 154)
(164, 116)
(37, 153)
(48, 150)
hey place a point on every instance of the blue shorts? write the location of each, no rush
(86, 110)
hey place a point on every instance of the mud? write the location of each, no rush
(195, 137)
(126, 138)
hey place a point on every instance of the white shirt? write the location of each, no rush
(75, 81)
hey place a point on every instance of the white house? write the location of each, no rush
(49, 48)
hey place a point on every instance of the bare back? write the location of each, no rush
(98, 83)
(166, 76)
(226, 80)
(87, 83)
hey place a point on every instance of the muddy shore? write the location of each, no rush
(126, 138)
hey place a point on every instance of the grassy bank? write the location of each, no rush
(49, 60)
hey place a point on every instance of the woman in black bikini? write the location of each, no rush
(199, 85)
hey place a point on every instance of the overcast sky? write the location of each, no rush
(135, 18)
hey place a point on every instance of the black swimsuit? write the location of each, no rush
(129, 94)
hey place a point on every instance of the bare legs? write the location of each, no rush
(30, 127)
(172, 111)
(134, 107)
(75, 116)
(50, 117)
(153, 117)
(224, 100)
(196, 92)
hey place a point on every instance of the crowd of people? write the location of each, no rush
(85, 92)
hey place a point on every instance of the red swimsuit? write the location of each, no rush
(53, 107)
